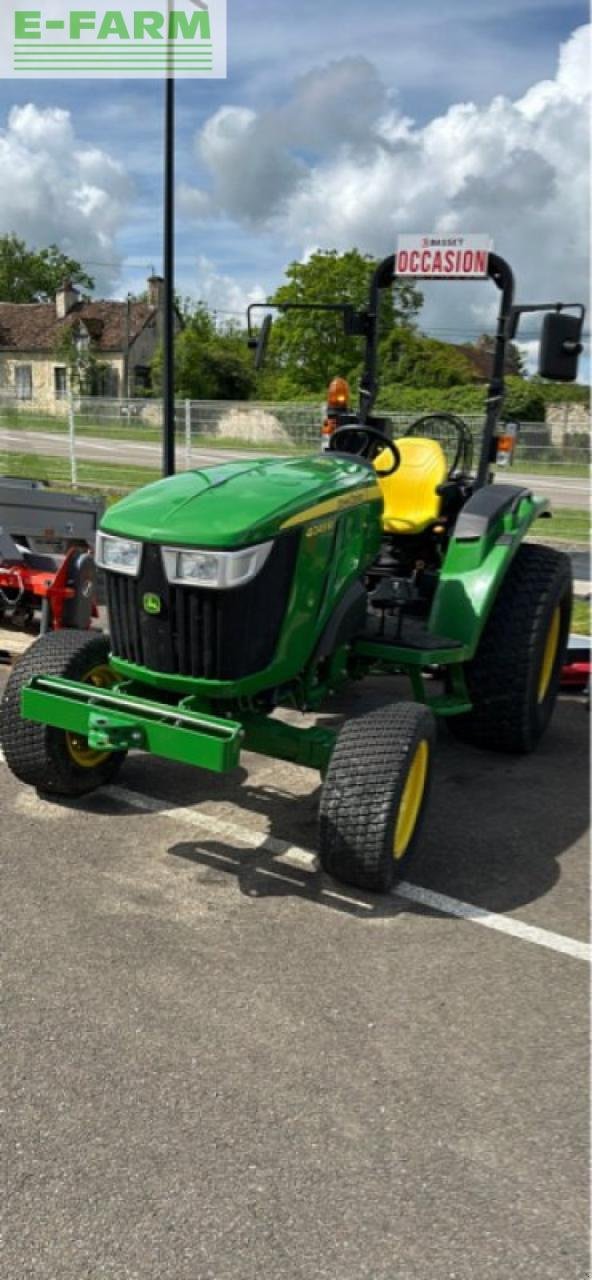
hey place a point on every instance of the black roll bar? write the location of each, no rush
(366, 324)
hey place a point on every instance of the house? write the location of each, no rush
(113, 342)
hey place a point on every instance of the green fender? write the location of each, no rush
(477, 561)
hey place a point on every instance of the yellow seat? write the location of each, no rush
(411, 500)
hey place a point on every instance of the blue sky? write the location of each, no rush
(319, 101)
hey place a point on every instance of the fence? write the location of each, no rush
(116, 443)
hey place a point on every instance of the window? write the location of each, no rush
(23, 381)
(142, 379)
(60, 382)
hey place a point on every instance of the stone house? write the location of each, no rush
(121, 338)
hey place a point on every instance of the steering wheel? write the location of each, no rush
(464, 439)
(370, 443)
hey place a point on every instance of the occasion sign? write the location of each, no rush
(440, 257)
(56, 40)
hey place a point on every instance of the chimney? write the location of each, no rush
(156, 292)
(66, 298)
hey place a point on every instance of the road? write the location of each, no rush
(223, 1066)
(563, 491)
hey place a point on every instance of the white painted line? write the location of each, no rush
(503, 924)
(219, 826)
(306, 859)
(413, 893)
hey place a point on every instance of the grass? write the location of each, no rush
(96, 475)
(569, 524)
(580, 623)
(153, 435)
(573, 470)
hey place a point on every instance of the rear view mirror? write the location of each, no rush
(561, 346)
(263, 342)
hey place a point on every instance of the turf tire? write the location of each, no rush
(362, 791)
(38, 754)
(503, 677)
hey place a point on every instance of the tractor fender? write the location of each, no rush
(82, 578)
(487, 535)
(347, 619)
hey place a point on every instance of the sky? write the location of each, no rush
(339, 125)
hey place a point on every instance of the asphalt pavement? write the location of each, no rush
(220, 1065)
(562, 491)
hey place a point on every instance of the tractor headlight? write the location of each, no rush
(219, 570)
(121, 555)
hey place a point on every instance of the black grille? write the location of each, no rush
(211, 635)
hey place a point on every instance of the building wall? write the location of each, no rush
(43, 380)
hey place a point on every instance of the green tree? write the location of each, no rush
(34, 275)
(515, 362)
(409, 358)
(309, 348)
(209, 364)
(524, 401)
(87, 373)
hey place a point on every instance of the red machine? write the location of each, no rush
(576, 672)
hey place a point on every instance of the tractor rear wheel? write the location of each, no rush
(375, 794)
(52, 760)
(513, 680)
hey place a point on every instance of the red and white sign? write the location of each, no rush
(444, 257)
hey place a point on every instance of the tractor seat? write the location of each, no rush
(411, 499)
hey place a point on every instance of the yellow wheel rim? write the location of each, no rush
(78, 749)
(550, 655)
(410, 805)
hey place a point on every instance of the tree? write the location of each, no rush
(86, 373)
(515, 363)
(308, 348)
(524, 401)
(34, 275)
(209, 364)
(411, 359)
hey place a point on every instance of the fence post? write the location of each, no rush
(72, 440)
(188, 450)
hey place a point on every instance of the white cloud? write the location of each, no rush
(335, 166)
(222, 293)
(56, 189)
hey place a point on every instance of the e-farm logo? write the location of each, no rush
(184, 38)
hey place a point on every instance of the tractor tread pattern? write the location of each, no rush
(503, 676)
(35, 753)
(362, 790)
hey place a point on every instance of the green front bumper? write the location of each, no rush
(117, 720)
(114, 720)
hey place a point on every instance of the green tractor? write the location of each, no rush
(251, 586)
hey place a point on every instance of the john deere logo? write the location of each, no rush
(152, 604)
(55, 39)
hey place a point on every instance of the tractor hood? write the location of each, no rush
(240, 503)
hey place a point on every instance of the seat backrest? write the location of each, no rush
(411, 500)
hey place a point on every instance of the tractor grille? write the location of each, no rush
(210, 635)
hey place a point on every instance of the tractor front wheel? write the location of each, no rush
(52, 760)
(513, 680)
(374, 795)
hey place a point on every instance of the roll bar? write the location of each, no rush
(366, 324)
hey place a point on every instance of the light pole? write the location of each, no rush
(168, 260)
(168, 329)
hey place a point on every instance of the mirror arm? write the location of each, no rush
(530, 307)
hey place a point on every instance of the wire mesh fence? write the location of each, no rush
(117, 443)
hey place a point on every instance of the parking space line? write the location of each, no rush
(293, 855)
(305, 858)
(503, 924)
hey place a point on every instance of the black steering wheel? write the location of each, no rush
(365, 442)
(461, 447)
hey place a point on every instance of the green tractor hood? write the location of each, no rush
(240, 503)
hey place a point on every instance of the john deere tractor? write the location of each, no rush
(251, 586)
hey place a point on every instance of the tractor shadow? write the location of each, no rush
(495, 830)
